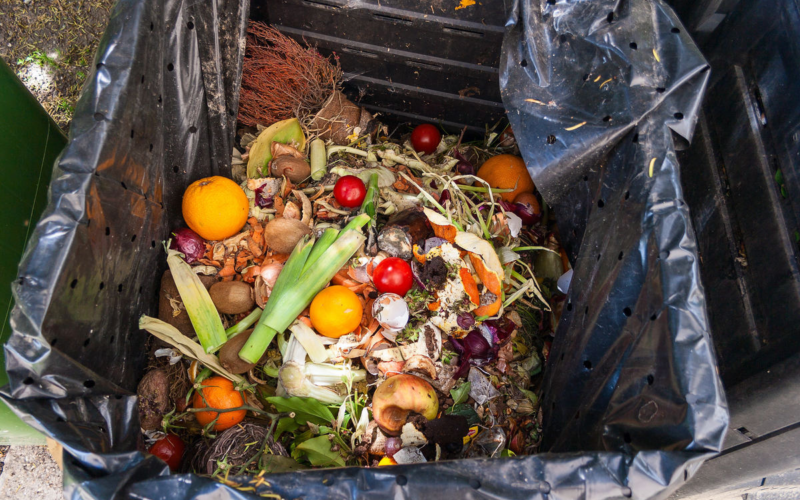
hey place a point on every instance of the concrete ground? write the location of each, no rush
(29, 472)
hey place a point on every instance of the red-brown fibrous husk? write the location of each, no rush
(281, 78)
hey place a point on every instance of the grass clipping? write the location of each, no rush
(282, 78)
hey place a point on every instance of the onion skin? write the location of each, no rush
(189, 243)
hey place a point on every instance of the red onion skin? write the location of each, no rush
(526, 213)
(393, 445)
(189, 243)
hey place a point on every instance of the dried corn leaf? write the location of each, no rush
(187, 346)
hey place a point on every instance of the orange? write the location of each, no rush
(336, 311)
(506, 172)
(220, 395)
(215, 208)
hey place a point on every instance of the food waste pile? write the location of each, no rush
(355, 295)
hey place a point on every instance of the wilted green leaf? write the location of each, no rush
(305, 409)
(285, 425)
(276, 463)
(460, 393)
(318, 451)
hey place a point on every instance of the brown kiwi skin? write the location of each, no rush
(232, 297)
(169, 290)
(229, 354)
(282, 235)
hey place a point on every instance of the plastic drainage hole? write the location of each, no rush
(99, 117)
(545, 487)
(551, 139)
(401, 480)
(28, 381)
(626, 437)
(577, 415)
(551, 2)
(607, 118)
(123, 185)
(86, 342)
(654, 317)
(474, 483)
(232, 112)
(524, 63)
(569, 306)
(598, 256)
(170, 67)
(192, 129)
(627, 312)
(686, 476)
(650, 379)
(660, 90)
(562, 38)
(562, 356)
(53, 342)
(133, 238)
(140, 290)
(675, 30)
(102, 285)
(132, 134)
(635, 139)
(587, 364)
(585, 178)
(586, 77)
(118, 396)
(151, 26)
(610, 17)
(627, 492)
(175, 169)
(664, 255)
(59, 419)
(619, 257)
(153, 244)
(159, 98)
(151, 147)
(73, 284)
(119, 288)
(634, 46)
(600, 203)
(627, 194)
(88, 384)
(586, 311)
(111, 340)
(190, 25)
(678, 115)
(99, 65)
(108, 231)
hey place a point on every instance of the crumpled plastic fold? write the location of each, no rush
(599, 93)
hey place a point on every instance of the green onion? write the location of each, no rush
(368, 206)
(202, 312)
(294, 290)
(245, 323)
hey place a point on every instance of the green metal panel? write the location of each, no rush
(30, 141)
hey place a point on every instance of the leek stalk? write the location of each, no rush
(295, 290)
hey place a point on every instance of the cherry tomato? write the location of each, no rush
(425, 138)
(349, 191)
(169, 449)
(393, 275)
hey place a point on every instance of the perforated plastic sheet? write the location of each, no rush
(633, 404)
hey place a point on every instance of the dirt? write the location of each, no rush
(434, 272)
(50, 45)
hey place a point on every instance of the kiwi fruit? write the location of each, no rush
(166, 311)
(282, 234)
(232, 297)
(229, 354)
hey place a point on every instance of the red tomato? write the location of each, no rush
(169, 449)
(425, 138)
(393, 275)
(349, 191)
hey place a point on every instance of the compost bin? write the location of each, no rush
(597, 93)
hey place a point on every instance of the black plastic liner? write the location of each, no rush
(633, 404)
